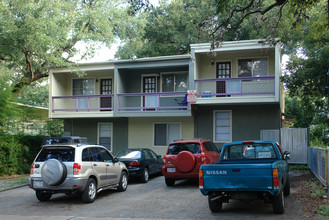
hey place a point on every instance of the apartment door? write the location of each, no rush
(149, 86)
(223, 71)
(106, 89)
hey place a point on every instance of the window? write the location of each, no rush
(86, 156)
(83, 87)
(174, 82)
(60, 153)
(175, 149)
(164, 134)
(249, 151)
(222, 120)
(95, 154)
(105, 135)
(252, 67)
(106, 156)
(210, 146)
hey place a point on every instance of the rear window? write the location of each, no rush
(249, 151)
(194, 148)
(62, 154)
(210, 146)
(130, 154)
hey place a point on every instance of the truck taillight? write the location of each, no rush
(32, 169)
(201, 179)
(276, 182)
(76, 168)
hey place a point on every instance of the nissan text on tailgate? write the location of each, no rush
(247, 171)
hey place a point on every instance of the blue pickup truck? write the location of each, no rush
(247, 171)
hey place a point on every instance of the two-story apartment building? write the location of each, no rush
(142, 102)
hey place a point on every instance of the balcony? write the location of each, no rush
(242, 89)
(127, 105)
(153, 104)
(82, 105)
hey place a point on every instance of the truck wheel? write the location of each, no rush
(286, 189)
(278, 203)
(145, 176)
(89, 193)
(123, 184)
(170, 182)
(214, 205)
(42, 196)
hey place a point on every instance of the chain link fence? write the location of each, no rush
(317, 160)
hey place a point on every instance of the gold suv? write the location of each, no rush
(83, 168)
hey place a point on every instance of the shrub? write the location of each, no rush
(11, 156)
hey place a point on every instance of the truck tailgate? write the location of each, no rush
(238, 177)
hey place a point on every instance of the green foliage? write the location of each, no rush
(35, 94)
(7, 108)
(38, 35)
(323, 210)
(55, 128)
(170, 29)
(33, 146)
(298, 167)
(18, 152)
(11, 156)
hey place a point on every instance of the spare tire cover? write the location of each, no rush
(185, 161)
(53, 172)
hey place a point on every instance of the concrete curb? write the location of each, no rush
(14, 187)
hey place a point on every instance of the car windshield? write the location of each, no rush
(194, 148)
(249, 151)
(62, 154)
(133, 154)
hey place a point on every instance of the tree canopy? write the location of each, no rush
(38, 35)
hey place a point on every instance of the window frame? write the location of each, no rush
(98, 134)
(214, 126)
(252, 71)
(174, 73)
(72, 83)
(166, 123)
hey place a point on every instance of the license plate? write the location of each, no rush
(37, 184)
(171, 170)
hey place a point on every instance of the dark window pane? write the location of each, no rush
(86, 155)
(160, 134)
(62, 154)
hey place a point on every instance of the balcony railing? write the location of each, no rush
(82, 103)
(231, 87)
(152, 101)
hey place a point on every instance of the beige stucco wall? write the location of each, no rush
(141, 131)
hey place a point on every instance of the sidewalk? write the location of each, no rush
(13, 181)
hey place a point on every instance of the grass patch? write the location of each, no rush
(8, 183)
(298, 167)
(323, 210)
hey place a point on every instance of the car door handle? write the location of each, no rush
(236, 170)
(95, 165)
(107, 165)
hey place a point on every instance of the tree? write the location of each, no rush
(170, 29)
(7, 108)
(38, 35)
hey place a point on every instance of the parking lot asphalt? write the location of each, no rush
(153, 200)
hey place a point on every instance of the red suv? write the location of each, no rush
(184, 158)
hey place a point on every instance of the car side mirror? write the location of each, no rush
(159, 156)
(286, 155)
(115, 160)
